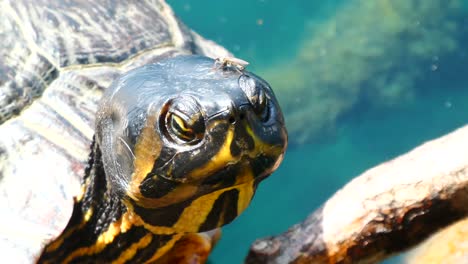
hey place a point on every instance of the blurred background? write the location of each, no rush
(359, 81)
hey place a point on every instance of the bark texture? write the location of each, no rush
(387, 209)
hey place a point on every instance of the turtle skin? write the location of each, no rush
(57, 58)
(180, 146)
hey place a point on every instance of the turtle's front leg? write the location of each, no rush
(192, 248)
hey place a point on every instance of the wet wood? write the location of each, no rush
(387, 209)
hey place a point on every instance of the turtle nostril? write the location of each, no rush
(232, 120)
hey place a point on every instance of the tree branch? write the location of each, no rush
(387, 209)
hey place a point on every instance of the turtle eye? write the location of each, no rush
(179, 127)
(260, 105)
(257, 96)
(183, 122)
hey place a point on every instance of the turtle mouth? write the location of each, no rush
(246, 170)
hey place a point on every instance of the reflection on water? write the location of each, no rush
(360, 82)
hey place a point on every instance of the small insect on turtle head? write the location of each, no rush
(186, 146)
(230, 62)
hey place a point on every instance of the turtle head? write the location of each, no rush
(184, 144)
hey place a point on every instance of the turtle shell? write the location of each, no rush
(57, 57)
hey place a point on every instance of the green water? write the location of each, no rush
(261, 31)
(268, 33)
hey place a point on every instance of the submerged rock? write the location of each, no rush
(370, 54)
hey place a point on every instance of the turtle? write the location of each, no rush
(122, 138)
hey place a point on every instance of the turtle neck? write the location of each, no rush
(101, 229)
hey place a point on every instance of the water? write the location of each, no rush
(251, 29)
(363, 127)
